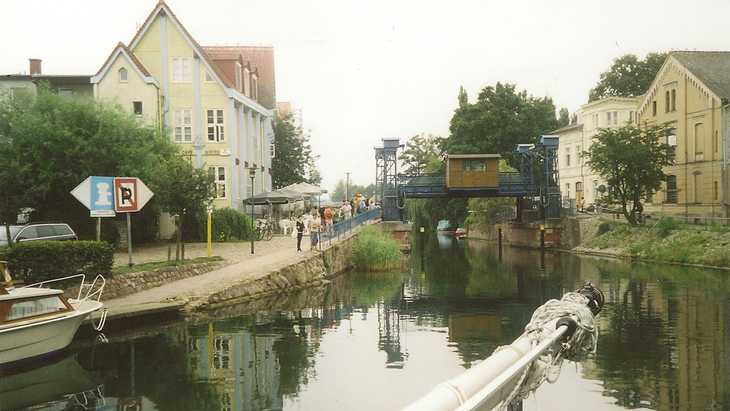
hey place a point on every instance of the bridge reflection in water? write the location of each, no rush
(381, 340)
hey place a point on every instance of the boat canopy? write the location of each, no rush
(23, 293)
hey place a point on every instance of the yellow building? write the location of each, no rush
(690, 94)
(207, 101)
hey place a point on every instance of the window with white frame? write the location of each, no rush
(65, 92)
(255, 88)
(215, 126)
(567, 156)
(122, 75)
(182, 70)
(137, 108)
(615, 117)
(272, 150)
(219, 179)
(183, 129)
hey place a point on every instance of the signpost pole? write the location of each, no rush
(129, 238)
(98, 228)
(210, 232)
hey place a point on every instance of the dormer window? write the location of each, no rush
(238, 76)
(122, 75)
(246, 84)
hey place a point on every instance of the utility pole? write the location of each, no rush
(347, 186)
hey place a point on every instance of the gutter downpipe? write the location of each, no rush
(489, 382)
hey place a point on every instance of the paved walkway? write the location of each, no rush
(233, 251)
(270, 256)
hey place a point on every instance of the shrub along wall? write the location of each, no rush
(36, 261)
(230, 225)
(375, 250)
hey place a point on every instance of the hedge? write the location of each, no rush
(231, 225)
(36, 261)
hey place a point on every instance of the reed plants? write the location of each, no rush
(374, 250)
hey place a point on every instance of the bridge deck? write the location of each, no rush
(431, 186)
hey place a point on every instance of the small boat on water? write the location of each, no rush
(36, 320)
(460, 233)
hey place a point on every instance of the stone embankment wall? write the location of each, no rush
(312, 271)
(126, 284)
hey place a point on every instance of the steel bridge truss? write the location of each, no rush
(537, 179)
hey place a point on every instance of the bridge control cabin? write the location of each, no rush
(472, 171)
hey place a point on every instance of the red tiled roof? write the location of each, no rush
(262, 61)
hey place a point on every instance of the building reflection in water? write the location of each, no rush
(663, 335)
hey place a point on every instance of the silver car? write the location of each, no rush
(37, 232)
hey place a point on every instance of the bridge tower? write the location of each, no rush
(550, 190)
(386, 178)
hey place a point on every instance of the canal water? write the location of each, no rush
(377, 341)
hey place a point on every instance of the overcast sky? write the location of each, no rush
(366, 70)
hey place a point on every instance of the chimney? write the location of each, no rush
(35, 67)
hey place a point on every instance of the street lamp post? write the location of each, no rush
(347, 186)
(252, 175)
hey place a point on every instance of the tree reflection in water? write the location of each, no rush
(663, 335)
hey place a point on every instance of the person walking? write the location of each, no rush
(328, 215)
(300, 233)
(314, 230)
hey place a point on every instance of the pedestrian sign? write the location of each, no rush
(102, 197)
(97, 194)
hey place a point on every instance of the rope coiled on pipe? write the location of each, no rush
(579, 306)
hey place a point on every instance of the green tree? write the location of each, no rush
(50, 144)
(628, 76)
(501, 118)
(463, 97)
(422, 154)
(563, 117)
(182, 190)
(630, 159)
(293, 159)
(338, 193)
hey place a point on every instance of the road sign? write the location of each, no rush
(105, 195)
(130, 194)
(96, 193)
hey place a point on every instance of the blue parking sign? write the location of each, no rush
(101, 192)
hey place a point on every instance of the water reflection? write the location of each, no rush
(380, 340)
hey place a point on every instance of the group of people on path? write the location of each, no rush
(322, 219)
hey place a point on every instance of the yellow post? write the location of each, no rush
(210, 233)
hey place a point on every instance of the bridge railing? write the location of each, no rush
(345, 227)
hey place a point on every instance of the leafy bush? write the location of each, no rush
(375, 250)
(37, 261)
(665, 226)
(230, 225)
(604, 227)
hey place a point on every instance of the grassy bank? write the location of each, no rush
(375, 250)
(665, 240)
(162, 264)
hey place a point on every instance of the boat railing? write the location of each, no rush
(87, 290)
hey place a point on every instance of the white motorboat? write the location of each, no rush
(37, 320)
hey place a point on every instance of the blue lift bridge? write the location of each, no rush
(536, 180)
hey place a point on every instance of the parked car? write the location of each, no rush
(37, 232)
